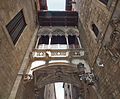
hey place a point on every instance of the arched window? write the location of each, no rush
(44, 40)
(95, 29)
(58, 40)
(73, 42)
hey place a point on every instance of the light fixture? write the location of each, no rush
(99, 62)
(91, 78)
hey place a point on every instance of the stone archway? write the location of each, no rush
(52, 73)
(56, 72)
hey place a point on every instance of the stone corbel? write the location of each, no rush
(27, 78)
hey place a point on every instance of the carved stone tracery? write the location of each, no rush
(114, 46)
(58, 31)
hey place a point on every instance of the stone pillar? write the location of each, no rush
(36, 46)
(66, 36)
(79, 42)
(38, 5)
(50, 37)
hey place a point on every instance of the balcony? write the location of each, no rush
(58, 47)
(58, 54)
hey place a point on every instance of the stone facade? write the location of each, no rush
(67, 91)
(93, 12)
(11, 56)
(49, 92)
(84, 92)
(103, 50)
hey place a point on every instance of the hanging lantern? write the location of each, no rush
(81, 68)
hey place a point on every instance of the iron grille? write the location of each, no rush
(16, 26)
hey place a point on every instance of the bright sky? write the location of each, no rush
(59, 90)
(56, 5)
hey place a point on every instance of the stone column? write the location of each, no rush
(66, 36)
(36, 46)
(50, 37)
(79, 42)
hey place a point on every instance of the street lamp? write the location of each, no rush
(91, 78)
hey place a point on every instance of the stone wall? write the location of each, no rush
(68, 91)
(11, 55)
(109, 55)
(93, 12)
(105, 46)
(49, 92)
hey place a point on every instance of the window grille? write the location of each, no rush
(16, 26)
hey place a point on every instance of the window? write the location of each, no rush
(72, 39)
(104, 1)
(73, 42)
(16, 26)
(95, 29)
(58, 40)
(44, 40)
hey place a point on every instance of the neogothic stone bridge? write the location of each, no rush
(56, 61)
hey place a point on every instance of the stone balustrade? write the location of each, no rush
(59, 53)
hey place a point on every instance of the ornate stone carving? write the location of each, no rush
(114, 45)
(44, 31)
(27, 78)
(71, 31)
(115, 23)
(58, 31)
